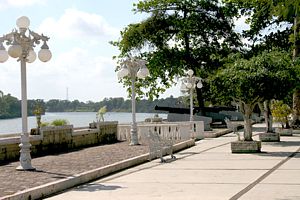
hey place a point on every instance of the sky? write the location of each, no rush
(81, 66)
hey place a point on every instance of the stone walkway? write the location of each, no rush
(55, 167)
(206, 171)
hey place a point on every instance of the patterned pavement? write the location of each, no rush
(54, 167)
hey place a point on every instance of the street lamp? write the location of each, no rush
(189, 83)
(21, 43)
(133, 68)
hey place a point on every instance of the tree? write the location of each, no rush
(281, 112)
(270, 75)
(100, 114)
(262, 14)
(179, 35)
(10, 107)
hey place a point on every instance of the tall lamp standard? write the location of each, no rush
(133, 68)
(189, 83)
(21, 43)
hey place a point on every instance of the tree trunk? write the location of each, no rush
(200, 101)
(268, 116)
(296, 106)
(296, 95)
(296, 35)
(247, 122)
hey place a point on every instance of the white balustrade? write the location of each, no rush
(169, 130)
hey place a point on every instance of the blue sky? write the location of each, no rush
(79, 32)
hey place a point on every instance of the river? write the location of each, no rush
(78, 119)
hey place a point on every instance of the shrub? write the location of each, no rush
(43, 124)
(59, 122)
(281, 112)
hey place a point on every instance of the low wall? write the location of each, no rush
(170, 130)
(59, 139)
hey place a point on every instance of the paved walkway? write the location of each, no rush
(57, 167)
(206, 171)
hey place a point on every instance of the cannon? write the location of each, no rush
(212, 112)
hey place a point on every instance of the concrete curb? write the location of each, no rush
(69, 182)
(216, 134)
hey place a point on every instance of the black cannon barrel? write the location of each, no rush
(196, 109)
(173, 109)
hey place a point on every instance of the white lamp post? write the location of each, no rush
(133, 68)
(188, 85)
(21, 43)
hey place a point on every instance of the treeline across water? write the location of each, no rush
(112, 104)
(10, 107)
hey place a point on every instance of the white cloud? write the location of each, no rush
(19, 3)
(86, 76)
(74, 23)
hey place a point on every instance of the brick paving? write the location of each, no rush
(54, 167)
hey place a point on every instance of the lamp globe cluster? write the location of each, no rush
(21, 45)
(133, 67)
(189, 83)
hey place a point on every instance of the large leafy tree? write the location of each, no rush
(9, 106)
(270, 75)
(179, 35)
(276, 23)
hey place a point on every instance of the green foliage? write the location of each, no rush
(102, 110)
(178, 35)
(263, 77)
(118, 104)
(43, 124)
(100, 114)
(267, 76)
(10, 106)
(39, 107)
(59, 122)
(280, 112)
(267, 19)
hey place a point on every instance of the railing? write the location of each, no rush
(168, 130)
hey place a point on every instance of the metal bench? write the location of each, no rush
(233, 127)
(159, 146)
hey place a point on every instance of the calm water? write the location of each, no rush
(78, 119)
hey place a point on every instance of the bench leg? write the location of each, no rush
(162, 160)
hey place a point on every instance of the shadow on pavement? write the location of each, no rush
(93, 187)
(259, 129)
(57, 175)
(276, 154)
(285, 143)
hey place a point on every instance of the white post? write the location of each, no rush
(25, 158)
(133, 131)
(134, 68)
(22, 48)
(191, 105)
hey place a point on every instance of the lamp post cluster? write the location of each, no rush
(133, 68)
(189, 83)
(21, 43)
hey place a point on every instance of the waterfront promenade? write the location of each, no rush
(58, 167)
(206, 171)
